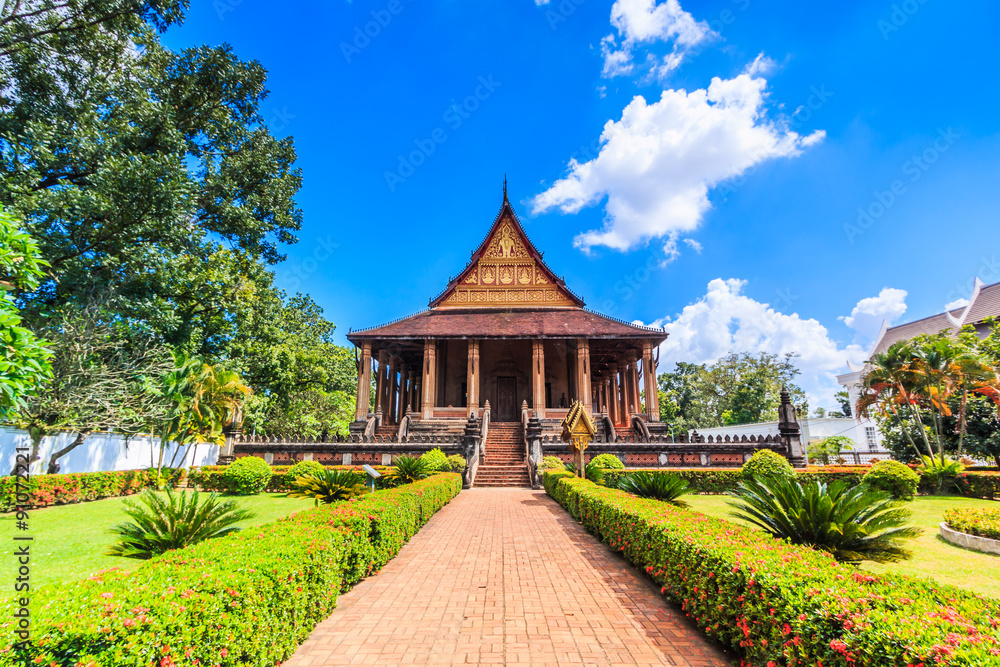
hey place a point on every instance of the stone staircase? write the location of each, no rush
(504, 464)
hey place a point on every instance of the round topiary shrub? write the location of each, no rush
(303, 468)
(456, 463)
(894, 478)
(552, 463)
(608, 462)
(247, 476)
(437, 461)
(766, 464)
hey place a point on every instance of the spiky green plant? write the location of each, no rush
(940, 473)
(854, 523)
(408, 469)
(161, 522)
(657, 485)
(328, 486)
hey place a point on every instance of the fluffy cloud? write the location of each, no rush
(725, 320)
(645, 22)
(657, 164)
(867, 317)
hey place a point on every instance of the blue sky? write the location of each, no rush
(727, 212)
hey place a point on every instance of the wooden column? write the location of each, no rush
(652, 388)
(622, 380)
(411, 390)
(393, 401)
(634, 404)
(364, 383)
(538, 378)
(383, 373)
(472, 377)
(615, 401)
(429, 382)
(583, 374)
(404, 388)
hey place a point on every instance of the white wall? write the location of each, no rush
(812, 429)
(99, 452)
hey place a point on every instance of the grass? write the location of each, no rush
(70, 540)
(932, 556)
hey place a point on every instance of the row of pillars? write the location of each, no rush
(399, 389)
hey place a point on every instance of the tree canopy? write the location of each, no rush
(740, 388)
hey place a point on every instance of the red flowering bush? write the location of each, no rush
(46, 490)
(984, 522)
(246, 599)
(786, 605)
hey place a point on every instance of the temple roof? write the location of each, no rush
(506, 270)
(514, 323)
(507, 291)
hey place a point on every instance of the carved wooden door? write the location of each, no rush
(506, 399)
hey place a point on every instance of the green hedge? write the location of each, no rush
(77, 487)
(980, 484)
(210, 478)
(782, 605)
(246, 599)
(721, 480)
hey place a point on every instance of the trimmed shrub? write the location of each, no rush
(608, 462)
(770, 601)
(979, 484)
(78, 487)
(247, 476)
(551, 463)
(245, 599)
(301, 469)
(894, 478)
(211, 478)
(764, 463)
(456, 463)
(436, 460)
(984, 522)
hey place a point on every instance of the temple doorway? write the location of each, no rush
(506, 410)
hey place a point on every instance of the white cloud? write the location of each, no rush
(726, 320)
(646, 22)
(658, 162)
(957, 303)
(867, 317)
(694, 245)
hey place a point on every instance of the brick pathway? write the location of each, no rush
(505, 576)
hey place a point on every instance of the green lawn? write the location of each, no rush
(70, 540)
(932, 556)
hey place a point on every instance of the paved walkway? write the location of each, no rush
(505, 576)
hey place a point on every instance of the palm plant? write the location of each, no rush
(940, 472)
(891, 384)
(659, 486)
(328, 486)
(172, 521)
(852, 523)
(408, 469)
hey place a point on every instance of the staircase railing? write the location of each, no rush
(404, 429)
(476, 451)
(484, 433)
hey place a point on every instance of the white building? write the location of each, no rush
(813, 429)
(984, 303)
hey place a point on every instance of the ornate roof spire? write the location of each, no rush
(505, 189)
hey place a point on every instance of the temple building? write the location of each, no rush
(509, 337)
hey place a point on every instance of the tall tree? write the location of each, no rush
(24, 360)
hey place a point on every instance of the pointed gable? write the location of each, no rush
(506, 272)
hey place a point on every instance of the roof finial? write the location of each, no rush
(505, 188)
